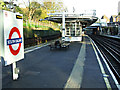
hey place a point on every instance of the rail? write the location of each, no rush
(110, 48)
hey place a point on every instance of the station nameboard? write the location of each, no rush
(12, 41)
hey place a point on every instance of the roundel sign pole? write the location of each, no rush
(11, 39)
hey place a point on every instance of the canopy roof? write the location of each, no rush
(84, 20)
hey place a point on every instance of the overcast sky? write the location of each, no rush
(107, 7)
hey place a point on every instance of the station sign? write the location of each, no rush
(12, 47)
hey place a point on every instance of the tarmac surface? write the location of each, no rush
(73, 67)
(43, 68)
(92, 75)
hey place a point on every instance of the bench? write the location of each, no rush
(65, 45)
(59, 44)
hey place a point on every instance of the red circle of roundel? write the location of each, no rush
(14, 52)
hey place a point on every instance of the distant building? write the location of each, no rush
(113, 18)
(118, 18)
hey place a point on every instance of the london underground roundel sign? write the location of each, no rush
(11, 41)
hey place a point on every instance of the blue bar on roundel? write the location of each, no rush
(14, 41)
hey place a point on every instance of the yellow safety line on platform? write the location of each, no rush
(102, 69)
(75, 79)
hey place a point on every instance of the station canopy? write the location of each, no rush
(86, 20)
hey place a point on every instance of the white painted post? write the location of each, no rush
(63, 26)
(80, 28)
(75, 28)
(15, 71)
(0, 73)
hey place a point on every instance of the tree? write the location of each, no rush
(31, 12)
(119, 13)
(49, 6)
(18, 9)
(3, 6)
(43, 13)
(34, 7)
(54, 6)
(37, 14)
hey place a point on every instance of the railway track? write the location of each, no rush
(110, 48)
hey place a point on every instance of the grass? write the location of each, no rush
(39, 27)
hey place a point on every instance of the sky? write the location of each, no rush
(102, 7)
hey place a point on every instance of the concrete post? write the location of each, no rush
(75, 29)
(80, 28)
(63, 26)
(15, 71)
(0, 73)
(119, 29)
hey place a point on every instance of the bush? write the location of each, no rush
(28, 33)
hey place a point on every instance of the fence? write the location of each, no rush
(38, 40)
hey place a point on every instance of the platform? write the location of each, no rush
(76, 67)
(93, 75)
